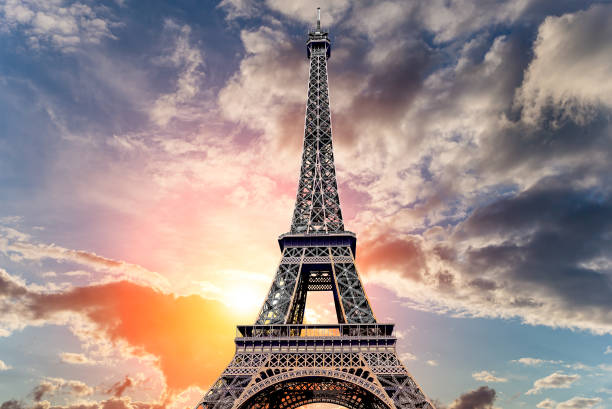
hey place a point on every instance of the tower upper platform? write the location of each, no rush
(318, 38)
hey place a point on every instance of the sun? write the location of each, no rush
(244, 300)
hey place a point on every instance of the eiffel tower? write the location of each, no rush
(280, 362)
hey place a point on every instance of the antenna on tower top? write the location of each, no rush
(318, 18)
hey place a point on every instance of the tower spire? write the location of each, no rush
(318, 18)
(317, 205)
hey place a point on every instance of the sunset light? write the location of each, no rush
(244, 300)
(242, 204)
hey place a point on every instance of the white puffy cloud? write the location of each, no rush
(578, 402)
(75, 358)
(546, 404)
(305, 10)
(407, 356)
(571, 69)
(268, 91)
(65, 25)
(486, 376)
(451, 19)
(556, 380)
(534, 361)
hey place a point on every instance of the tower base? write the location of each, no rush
(287, 366)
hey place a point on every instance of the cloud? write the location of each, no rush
(66, 26)
(534, 361)
(150, 322)
(407, 356)
(189, 60)
(546, 404)
(239, 8)
(504, 260)
(43, 388)
(481, 398)
(74, 358)
(11, 404)
(432, 362)
(51, 386)
(19, 246)
(507, 169)
(526, 255)
(486, 376)
(608, 350)
(556, 380)
(571, 65)
(578, 402)
(4, 366)
(267, 92)
(76, 273)
(112, 403)
(305, 11)
(397, 254)
(119, 387)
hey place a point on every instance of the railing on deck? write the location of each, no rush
(315, 331)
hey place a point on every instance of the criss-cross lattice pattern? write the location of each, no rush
(253, 378)
(280, 296)
(354, 301)
(404, 391)
(316, 268)
(225, 392)
(317, 207)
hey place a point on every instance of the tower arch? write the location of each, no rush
(294, 392)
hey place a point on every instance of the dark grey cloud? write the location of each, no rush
(554, 236)
(481, 398)
(11, 404)
(119, 387)
(42, 389)
(52, 386)
(542, 254)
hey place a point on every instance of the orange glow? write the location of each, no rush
(192, 337)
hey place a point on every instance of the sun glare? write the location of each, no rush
(244, 300)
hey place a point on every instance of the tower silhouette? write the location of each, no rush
(280, 362)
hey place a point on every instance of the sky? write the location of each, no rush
(149, 156)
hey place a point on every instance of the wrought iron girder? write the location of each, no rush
(286, 299)
(280, 295)
(317, 207)
(253, 377)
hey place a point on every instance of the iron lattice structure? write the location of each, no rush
(280, 362)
